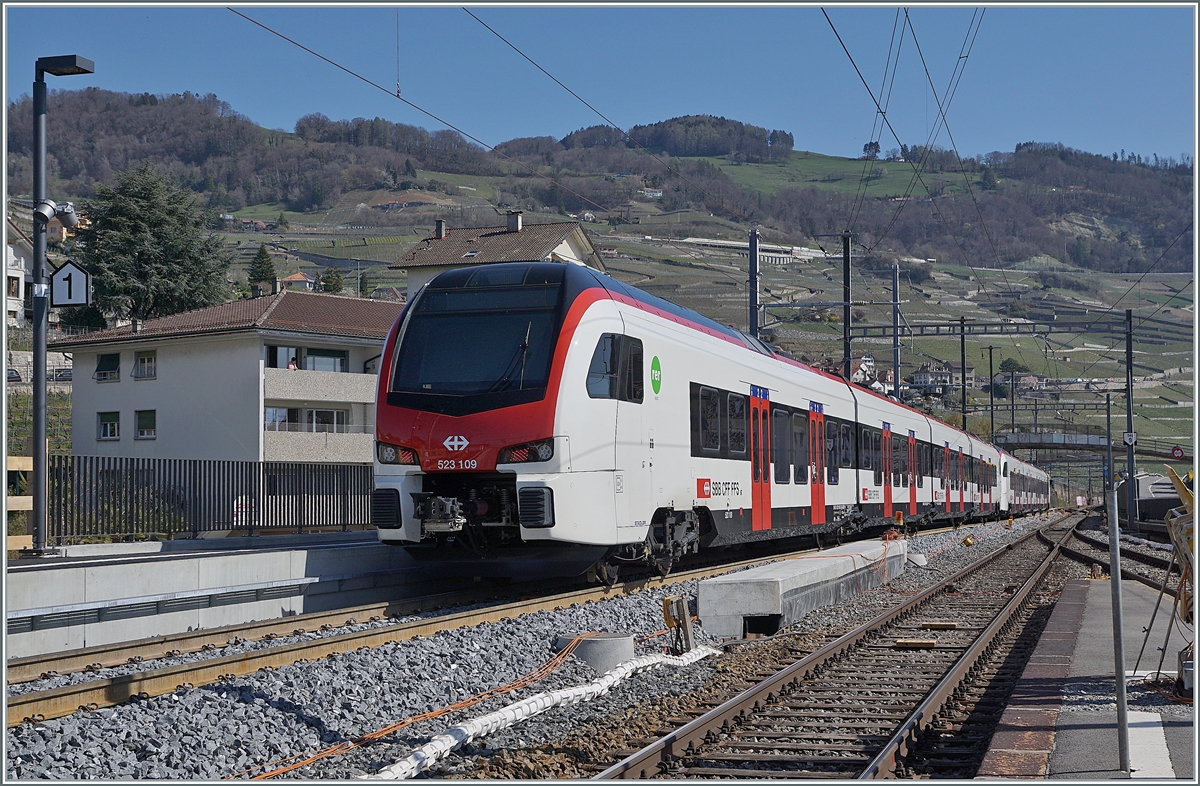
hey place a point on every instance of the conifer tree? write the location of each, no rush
(263, 266)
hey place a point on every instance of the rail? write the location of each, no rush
(659, 755)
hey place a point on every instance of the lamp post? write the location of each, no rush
(63, 65)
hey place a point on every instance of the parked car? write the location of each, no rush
(14, 375)
(59, 375)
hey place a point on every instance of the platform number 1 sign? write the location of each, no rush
(70, 286)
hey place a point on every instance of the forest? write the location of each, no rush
(1018, 205)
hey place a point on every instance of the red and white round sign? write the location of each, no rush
(1177, 453)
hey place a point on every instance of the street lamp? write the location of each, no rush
(44, 210)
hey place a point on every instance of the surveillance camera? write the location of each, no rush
(67, 215)
(45, 211)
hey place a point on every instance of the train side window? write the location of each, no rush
(1005, 470)
(865, 453)
(877, 453)
(895, 461)
(633, 374)
(847, 446)
(781, 445)
(602, 373)
(710, 419)
(616, 369)
(904, 463)
(800, 447)
(737, 423)
(922, 458)
(831, 452)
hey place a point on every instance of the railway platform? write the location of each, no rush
(1061, 720)
(120, 592)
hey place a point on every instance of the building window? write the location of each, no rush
(276, 419)
(109, 425)
(14, 286)
(279, 357)
(108, 368)
(145, 365)
(326, 420)
(325, 360)
(147, 424)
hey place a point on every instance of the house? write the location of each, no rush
(862, 372)
(214, 383)
(955, 369)
(932, 375)
(300, 281)
(562, 241)
(653, 193)
(18, 275)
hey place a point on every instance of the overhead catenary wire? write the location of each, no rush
(915, 167)
(739, 216)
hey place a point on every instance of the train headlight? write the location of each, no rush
(542, 450)
(394, 454)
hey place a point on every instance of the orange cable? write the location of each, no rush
(346, 745)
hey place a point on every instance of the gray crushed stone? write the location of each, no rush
(221, 730)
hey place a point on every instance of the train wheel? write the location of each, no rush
(608, 572)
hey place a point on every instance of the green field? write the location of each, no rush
(813, 170)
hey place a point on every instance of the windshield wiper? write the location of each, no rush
(521, 354)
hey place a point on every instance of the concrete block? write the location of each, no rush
(602, 652)
(787, 590)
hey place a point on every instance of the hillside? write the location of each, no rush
(718, 177)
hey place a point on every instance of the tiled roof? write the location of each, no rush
(289, 310)
(492, 244)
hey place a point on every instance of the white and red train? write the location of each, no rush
(546, 416)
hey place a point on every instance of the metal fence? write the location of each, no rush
(91, 496)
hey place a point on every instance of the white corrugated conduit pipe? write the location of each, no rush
(438, 747)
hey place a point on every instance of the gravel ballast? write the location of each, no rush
(219, 730)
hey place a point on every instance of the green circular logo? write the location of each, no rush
(655, 375)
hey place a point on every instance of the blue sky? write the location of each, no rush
(1100, 79)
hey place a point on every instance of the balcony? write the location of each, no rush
(315, 386)
(351, 444)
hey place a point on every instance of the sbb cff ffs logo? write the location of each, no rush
(703, 488)
(456, 443)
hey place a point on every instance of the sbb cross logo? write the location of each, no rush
(456, 443)
(703, 488)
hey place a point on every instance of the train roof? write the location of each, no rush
(579, 278)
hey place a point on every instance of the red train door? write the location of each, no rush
(912, 473)
(947, 474)
(816, 458)
(760, 458)
(885, 442)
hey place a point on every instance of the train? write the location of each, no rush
(544, 417)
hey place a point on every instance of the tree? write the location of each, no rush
(988, 178)
(147, 250)
(1012, 364)
(409, 169)
(263, 266)
(871, 150)
(282, 222)
(331, 280)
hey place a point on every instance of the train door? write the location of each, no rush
(635, 465)
(760, 458)
(913, 471)
(816, 458)
(886, 452)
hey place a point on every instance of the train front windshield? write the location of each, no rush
(474, 348)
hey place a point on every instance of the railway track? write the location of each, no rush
(1148, 569)
(150, 681)
(858, 706)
